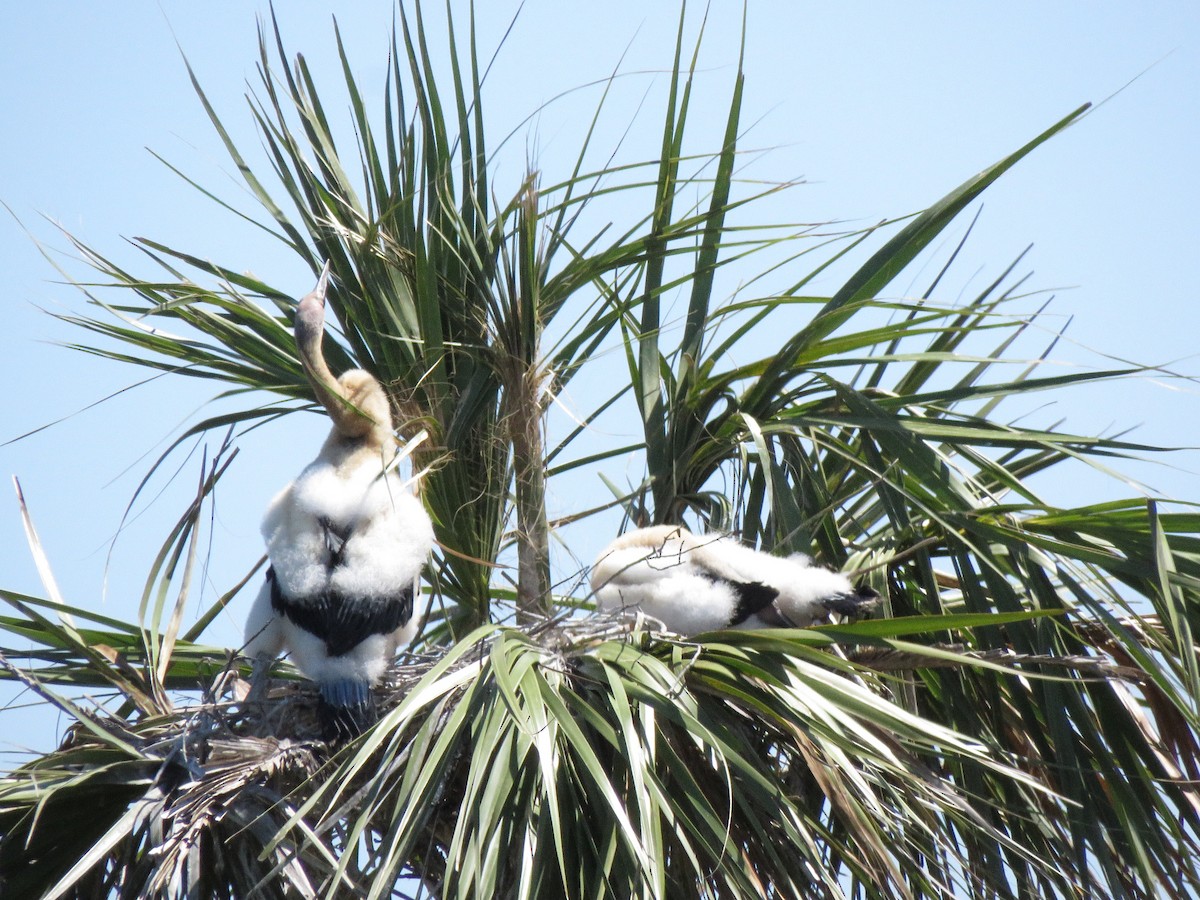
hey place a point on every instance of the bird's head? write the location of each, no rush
(310, 315)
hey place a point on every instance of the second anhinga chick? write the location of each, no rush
(346, 542)
(694, 583)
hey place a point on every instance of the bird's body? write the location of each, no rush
(346, 543)
(694, 583)
(345, 554)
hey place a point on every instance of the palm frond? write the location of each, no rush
(729, 763)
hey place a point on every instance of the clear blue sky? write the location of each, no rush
(882, 108)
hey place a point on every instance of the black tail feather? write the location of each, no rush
(853, 605)
(345, 710)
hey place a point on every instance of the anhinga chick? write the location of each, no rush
(346, 543)
(694, 583)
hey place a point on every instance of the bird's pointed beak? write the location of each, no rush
(310, 311)
(318, 293)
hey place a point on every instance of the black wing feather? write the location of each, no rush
(752, 596)
(341, 622)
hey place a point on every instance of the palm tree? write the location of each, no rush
(1021, 721)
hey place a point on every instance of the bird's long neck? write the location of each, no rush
(329, 392)
(355, 402)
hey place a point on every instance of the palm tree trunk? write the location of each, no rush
(533, 528)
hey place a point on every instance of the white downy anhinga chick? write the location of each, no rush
(695, 583)
(346, 543)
